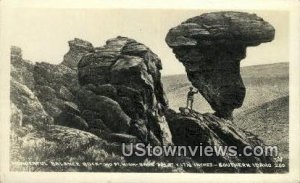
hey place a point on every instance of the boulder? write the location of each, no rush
(106, 104)
(211, 46)
(142, 68)
(61, 144)
(25, 100)
(132, 72)
(16, 116)
(52, 109)
(110, 112)
(51, 84)
(127, 72)
(55, 76)
(55, 85)
(89, 115)
(123, 138)
(71, 108)
(21, 70)
(107, 90)
(164, 131)
(45, 93)
(190, 128)
(95, 69)
(139, 129)
(65, 94)
(78, 49)
(99, 125)
(71, 120)
(15, 53)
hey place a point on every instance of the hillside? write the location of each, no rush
(263, 83)
(270, 122)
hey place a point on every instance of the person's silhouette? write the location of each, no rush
(190, 98)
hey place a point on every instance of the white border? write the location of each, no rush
(291, 6)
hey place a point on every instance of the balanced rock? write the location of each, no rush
(211, 47)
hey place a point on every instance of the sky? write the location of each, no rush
(43, 33)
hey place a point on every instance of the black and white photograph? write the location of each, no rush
(158, 90)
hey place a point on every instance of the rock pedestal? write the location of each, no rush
(211, 47)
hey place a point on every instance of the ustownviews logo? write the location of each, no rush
(141, 149)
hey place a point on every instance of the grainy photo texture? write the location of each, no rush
(181, 91)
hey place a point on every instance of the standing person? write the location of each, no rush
(190, 98)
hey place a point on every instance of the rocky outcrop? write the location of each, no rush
(32, 111)
(190, 128)
(21, 70)
(211, 46)
(64, 149)
(52, 85)
(84, 108)
(26, 108)
(78, 48)
(59, 144)
(41, 96)
(50, 109)
(121, 85)
(120, 90)
(107, 110)
(16, 116)
(55, 85)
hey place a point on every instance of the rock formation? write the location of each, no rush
(50, 108)
(84, 108)
(78, 48)
(211, 46)
(21, 70)
(26, 107)
(192, 128)
(123, 78)
(54, 85)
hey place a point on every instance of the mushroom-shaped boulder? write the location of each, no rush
(211, 46)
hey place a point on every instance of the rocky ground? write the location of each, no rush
(58, 114)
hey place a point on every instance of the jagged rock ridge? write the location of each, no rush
(46, 97)
(211, 46)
